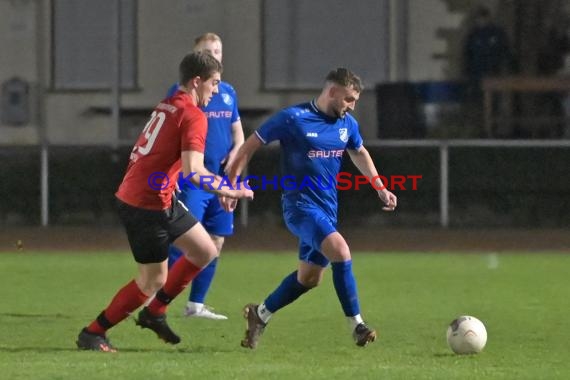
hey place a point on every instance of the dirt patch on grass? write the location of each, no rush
(271, 238)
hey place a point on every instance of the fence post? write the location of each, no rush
(444, 184)
(44, 160)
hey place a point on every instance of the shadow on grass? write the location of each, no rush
(73, 349)
(22, 315)
(444, 355)
(181, 350)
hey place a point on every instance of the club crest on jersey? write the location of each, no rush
(227, 99)
(343, 134)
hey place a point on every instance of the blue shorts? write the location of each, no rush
(206, 208)
(311, 225)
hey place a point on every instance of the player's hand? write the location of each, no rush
(228, 204)
(389, 199)
(228, 161)
(244, 192)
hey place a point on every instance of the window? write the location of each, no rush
(303, 40)
(84, 44)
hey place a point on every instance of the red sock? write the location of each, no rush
(127, 300)
(179, 276)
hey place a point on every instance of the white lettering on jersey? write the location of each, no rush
(218, 114)
(325, 153)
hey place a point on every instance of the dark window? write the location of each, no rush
(84, 44)
(303, 40)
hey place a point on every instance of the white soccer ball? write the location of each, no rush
(466, 335)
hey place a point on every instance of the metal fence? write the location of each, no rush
(471, 183)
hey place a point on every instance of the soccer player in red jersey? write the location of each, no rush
(172, 141)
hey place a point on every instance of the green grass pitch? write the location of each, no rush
(523, 299)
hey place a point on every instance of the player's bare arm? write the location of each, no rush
(251, 145)
(362, 160)
(237, 139)
(193, 162)
(235, 168)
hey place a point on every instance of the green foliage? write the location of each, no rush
(410, 297)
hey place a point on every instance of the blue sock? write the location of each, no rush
(201, 283)
(288, 291)
(345, 286)
(173, 255)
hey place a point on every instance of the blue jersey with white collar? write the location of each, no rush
(222, 112)
(312, 146)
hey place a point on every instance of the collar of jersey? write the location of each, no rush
(190, 97)
(317, 110)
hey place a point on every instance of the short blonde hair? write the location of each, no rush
(206, 37)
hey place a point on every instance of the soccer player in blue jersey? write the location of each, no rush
(313, 137)
(224, 138)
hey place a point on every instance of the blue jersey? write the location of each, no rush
(313, 144)
(222, 112)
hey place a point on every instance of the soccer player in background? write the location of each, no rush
(224, 138)
(313, 138)
(173, 140)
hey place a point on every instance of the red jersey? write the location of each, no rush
(176, 124)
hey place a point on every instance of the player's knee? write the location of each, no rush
(343, 252)
(203, 255)
(158, 283)
(218, 242)
(212, 252)
(335, 248)
(339, 251)
(311, 280)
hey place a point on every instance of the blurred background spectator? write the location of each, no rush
(553, 59)
(487, 51)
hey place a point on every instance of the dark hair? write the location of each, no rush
(346, 78)
(198, 64)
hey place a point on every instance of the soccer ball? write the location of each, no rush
(466, 335)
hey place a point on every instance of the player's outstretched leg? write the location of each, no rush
(257, 316)
(199, 251)
(93, 337)
(345, 286)
(153, 316)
